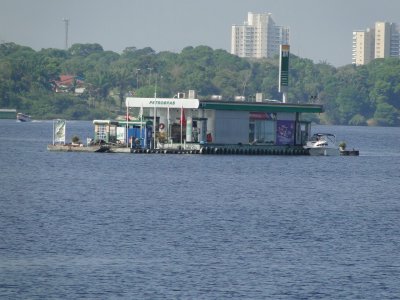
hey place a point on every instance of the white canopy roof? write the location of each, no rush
(162, 102)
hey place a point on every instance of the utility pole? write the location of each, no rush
(149, 74)
(66, 21)
(137, 78)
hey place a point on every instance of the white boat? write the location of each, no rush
(322, 144)
(23, 117)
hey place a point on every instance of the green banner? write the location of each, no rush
(284, 66)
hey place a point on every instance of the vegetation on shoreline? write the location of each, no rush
(30, 82)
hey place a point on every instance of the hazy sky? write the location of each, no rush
(320, 29)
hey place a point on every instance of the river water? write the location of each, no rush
(102, 226)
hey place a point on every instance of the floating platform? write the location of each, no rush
(78, 148)
(206, 150)
(226, 150)
(350, 152)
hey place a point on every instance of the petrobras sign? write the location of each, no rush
(284, 66)
(162, 102)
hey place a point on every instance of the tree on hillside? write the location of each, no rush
(85, 49)
(386, 115)
(350, 95)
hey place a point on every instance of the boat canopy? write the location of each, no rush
(323, 134)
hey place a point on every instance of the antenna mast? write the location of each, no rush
(66, 21)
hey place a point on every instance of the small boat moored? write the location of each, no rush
(322, 144)
(23, 117)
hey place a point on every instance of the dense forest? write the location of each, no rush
(31, 82)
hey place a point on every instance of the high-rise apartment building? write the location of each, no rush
(258, 37)
(382, 39)
(379, 42)
(394, 40)
(363, 47)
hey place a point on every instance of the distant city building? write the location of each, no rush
(363, 46)
(394, 40)
(379, 42)
(382, 40)
(258, 37)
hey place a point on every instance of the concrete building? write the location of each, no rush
(363, 47)
(379, 42)
(394, 40)
(382, 40)
(258, 37)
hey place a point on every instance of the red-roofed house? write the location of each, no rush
(69, 83)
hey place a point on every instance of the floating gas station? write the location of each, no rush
(209, 126)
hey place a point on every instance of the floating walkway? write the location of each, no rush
(78, 148)
(207, 150)
(217, 151)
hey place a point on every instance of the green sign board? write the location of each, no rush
(284, 66)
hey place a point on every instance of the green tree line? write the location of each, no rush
(362, 95)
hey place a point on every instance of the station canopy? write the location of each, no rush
(223, 105)
(162, 102)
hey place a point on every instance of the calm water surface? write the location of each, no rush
(102, 226)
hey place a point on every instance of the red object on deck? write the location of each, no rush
(183, 119)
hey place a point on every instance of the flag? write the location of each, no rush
(183, 119)
(182, 122)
